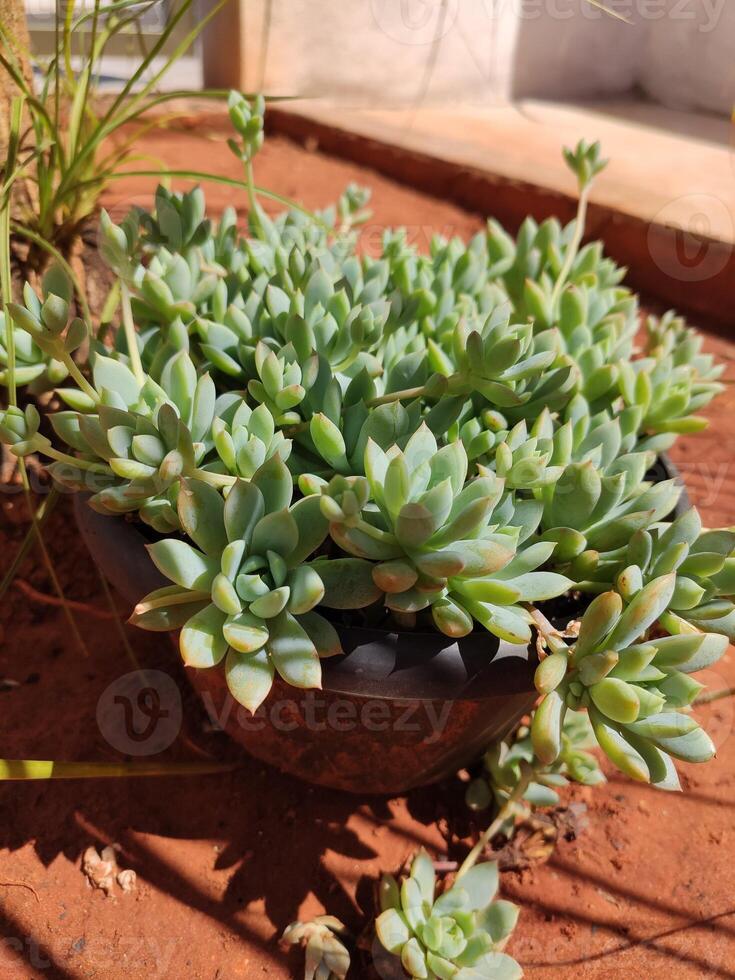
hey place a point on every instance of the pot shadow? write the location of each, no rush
(262, 837)
(277, 841)
(245, 838)
(266, 839)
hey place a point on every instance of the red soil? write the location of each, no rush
(225, 861)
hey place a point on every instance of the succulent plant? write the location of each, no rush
(430, 535)
(323, 939)
(704, 563)
(668, 394)
(503, 760)
(469, 433)
(31, 366)
(457, 935)
(247, 119)
(244, 595)
(634, 683)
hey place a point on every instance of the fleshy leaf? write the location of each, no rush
(183, 564)
(202, 642)
(249, 677)
(294, 655)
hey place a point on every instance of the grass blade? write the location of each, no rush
(17, 769)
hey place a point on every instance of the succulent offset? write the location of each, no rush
(503, 769)
(458, 934)
(447, 441)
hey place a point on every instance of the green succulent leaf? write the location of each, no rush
(249, 677)
(202, 642)
(184, 565)
(293, 653)
(201, 512)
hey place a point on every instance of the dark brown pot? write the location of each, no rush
(396, 711)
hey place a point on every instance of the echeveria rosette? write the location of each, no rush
(634, 683)
(523, 458)
(42, 334)
(178, 222)
(457, 935)
(597, 509)
(139, 437)
(704, 563)
(431, 537)
(145, 444)
(244, 594)
(670, 334)
(498, 360)
(244, 437)
(668, 395)
(503, 765)
(51, 335)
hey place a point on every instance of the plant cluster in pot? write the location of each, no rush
(363, 481)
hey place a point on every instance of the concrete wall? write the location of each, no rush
(689, 59)
(403, 52)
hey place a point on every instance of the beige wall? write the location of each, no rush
(399, 52)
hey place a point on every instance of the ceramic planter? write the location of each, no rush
(397, 710)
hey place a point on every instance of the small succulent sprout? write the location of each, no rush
(19, 430)
(117, 243)
(245, 438)
(633, 682)
(146, 452)
(342, 499)
(503, 769)
(668, 395)
(242, 592)
(352, 205)
(325, 941)
(584, 161)
(458, 934)
(51, 334)
(523, 459)
(165, 290)
(278, 385)
(670, 335)
(607, 507)
(246, 116)
(178, 222)
(31, 365)
(499, 360)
